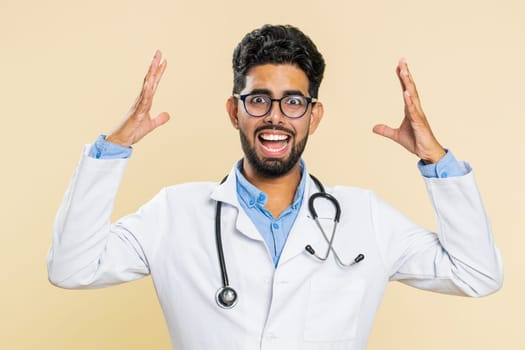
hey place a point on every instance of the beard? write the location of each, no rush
(272, 167)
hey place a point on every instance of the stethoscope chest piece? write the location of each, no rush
(226, 297)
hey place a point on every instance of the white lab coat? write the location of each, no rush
(302, 304)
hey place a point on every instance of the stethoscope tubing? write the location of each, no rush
(330, 241)
(226, 296)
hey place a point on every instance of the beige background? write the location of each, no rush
(69, 71)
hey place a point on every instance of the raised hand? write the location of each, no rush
(414, 133)
(138, 121)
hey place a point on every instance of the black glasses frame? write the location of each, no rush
(309, 100)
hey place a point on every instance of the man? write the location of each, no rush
(287, 279)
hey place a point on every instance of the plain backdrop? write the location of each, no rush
(69, 70)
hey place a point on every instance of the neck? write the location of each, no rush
(280, 190)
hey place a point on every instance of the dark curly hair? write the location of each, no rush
(278, 44)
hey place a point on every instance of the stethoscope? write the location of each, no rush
(226, 297)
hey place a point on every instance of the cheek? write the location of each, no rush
(303, 129)
(246, 127)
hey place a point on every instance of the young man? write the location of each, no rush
(276, 274)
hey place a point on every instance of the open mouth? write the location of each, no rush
(273, 144)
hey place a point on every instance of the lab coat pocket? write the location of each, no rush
(333, 310)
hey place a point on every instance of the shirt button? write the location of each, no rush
(262, 197)
(444, 175)
(275, 226)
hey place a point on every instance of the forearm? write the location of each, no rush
(460, 259)
(83, 232)
(465, 232)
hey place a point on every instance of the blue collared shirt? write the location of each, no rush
(275, 231)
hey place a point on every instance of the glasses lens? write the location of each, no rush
(294, 106)
(258, 105)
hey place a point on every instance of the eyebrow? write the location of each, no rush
(269, 93)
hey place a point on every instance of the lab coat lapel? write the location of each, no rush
(227, 193)
(304, 230)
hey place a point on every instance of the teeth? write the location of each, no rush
(273, 137)
(273, 150)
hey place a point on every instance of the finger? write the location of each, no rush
(398, 73)
(145, 99)
(410, 85)
(149, 79)
(160, 119)
(412, 112)
(145, 82)
(160, 73)
(405, 77)
(386, 131)
(153, 67)
(407, 82)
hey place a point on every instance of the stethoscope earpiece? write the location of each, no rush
(330, 240)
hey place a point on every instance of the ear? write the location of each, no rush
(231, 108)
(315, 116)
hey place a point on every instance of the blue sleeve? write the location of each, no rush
(102, 149)
(447, 166)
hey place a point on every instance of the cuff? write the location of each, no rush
(447, 166)
(102, 149)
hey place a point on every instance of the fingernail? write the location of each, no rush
(407, 93)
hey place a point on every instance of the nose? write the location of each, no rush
(275, 116)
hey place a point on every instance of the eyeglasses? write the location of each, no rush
(292, 106)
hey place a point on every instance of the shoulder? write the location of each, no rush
(185, 196)
(353, 198)
(191, 188)
(189, 192)
(350, 193)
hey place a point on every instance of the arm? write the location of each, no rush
(87, 250)
(462, 257)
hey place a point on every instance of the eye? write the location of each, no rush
(258, 99)
(296, 101)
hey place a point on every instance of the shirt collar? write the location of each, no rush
(252, 196)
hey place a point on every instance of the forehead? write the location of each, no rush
(276, 78)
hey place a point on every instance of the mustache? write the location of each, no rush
(274, 127)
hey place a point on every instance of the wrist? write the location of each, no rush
(117, 141)
(434, 157)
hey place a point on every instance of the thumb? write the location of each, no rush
(385, 131)
(160, 119)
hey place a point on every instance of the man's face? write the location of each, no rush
(273, 143)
